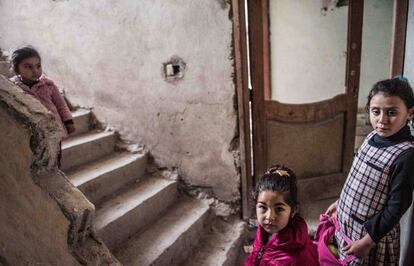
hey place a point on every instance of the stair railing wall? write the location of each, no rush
(44, 218)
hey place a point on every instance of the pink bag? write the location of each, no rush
(325, 234)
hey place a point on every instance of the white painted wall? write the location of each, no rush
(307, 50)
(376, 45)
(110, 54)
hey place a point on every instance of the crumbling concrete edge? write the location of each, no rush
(44, 143)
(219, 207)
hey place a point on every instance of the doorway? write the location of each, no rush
(305, 59)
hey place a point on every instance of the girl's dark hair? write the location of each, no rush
(279, 178)
(21, 54)
(397, 86)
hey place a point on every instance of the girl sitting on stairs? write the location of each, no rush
(27, 66)
(282, 235)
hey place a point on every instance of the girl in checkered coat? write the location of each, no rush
(379, 186)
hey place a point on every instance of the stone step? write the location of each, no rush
(221, 245)
(141, 204)
(81, 118)
(170, 239)
(103, 177)
(310, 211)
(362, 119)
(87, 147)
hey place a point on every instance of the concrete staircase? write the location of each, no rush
(140, 215)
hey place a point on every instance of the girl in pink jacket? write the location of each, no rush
(27, 65)
(282, 235)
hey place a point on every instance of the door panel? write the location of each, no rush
(306, 134)
(316, 153)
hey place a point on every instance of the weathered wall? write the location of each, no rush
(110, 55)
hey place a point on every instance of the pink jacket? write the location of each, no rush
(48, 94)
(290, 247)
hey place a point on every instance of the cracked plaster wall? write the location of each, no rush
(110, 55)
(32, 227)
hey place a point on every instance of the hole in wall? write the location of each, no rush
(174, 69)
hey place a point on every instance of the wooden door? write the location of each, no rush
(315, 139)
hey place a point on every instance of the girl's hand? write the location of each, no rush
(70, 128)
(331, 211)
(360, 248)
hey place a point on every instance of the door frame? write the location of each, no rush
(399, 32)
(243, 105)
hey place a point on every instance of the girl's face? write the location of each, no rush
(388, 114)
(30, 69)
(273, 213)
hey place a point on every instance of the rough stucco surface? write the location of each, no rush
(44, 220)
(110, 55)
(30, 230)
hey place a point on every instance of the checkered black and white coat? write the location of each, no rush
(365, 194)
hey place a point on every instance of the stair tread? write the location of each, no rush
(125, 202)
(84, 138)
(218, 242)
(80, 112)
(92, 170)
(144, 248)
(310, 212)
